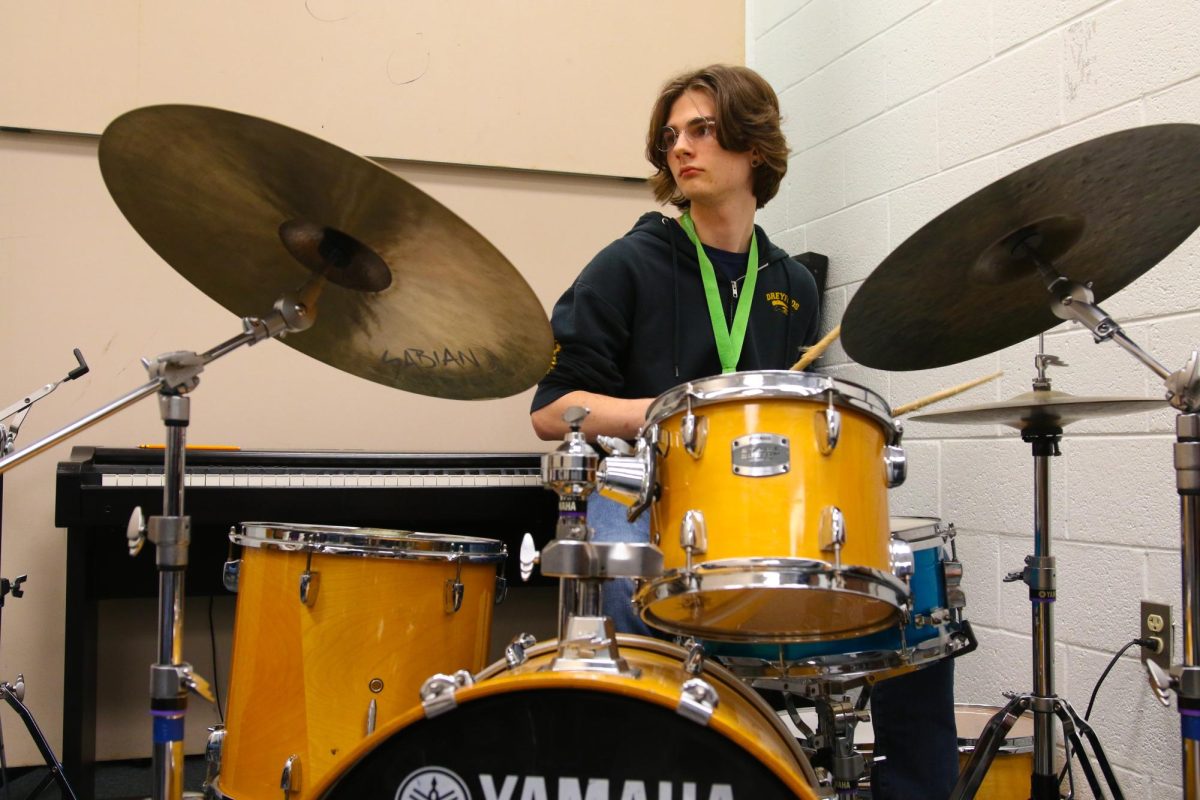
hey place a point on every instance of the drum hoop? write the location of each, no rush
(368, 542)
(711, 668)
(794, 573)
(770, 385)
(847, 668)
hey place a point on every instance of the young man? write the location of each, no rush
(678, 299)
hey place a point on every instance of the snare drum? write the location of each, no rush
(934, 629)
(772, 512)
(334, 632)
(536, 731)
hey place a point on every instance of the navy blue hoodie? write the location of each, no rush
(635, 322)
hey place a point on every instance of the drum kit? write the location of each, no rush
(359, 657)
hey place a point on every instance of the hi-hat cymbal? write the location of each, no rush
(247, 209)
(1103, 211)
(1043, 409)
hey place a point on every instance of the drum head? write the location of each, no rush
(557, 743)
(376, 542)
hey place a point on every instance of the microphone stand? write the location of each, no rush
(14, 693)
(172, 376)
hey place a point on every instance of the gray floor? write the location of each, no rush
(115, 780)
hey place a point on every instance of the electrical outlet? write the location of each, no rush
(1157, 625)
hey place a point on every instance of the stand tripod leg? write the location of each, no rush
(1072, 725)
(990, 741)
(56, 770)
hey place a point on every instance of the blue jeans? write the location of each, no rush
(608, 520)
(912, 715)
(913, 718)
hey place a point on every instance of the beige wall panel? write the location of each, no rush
(77, 275)
(538, 84)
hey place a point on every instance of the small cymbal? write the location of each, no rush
(1043, 409)
(1103, 211)
(247, 209)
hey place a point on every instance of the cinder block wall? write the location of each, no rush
(897, 110)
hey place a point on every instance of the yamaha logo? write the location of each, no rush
(433, 783)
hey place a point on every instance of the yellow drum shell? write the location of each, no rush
(740, 715)
(303, 677)
(760, 528)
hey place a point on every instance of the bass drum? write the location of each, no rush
(529, 731)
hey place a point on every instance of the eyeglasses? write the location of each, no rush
(696, 130)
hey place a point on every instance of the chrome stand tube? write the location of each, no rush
(168, 697)
(1041, 578)
(1187, 482)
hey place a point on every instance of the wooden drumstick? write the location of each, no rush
(814, 352)
(944, 394)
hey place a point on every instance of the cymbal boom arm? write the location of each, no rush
(178, 372)
(1071, 300)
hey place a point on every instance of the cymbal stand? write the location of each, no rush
(1041, 577)
(172, 376)
(1071, 300)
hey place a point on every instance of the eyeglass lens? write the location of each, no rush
(695, 130)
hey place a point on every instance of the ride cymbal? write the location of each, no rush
(247, 209)
(1043, 409)
(1103, 211)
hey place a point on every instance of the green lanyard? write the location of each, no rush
(729, 340)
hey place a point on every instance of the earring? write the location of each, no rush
(754, 162)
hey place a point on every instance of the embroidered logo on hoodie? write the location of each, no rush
(781, 302)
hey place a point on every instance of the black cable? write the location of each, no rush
(212, 638)
(1092, 701)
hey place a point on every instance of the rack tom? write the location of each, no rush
(335, 630)
(772, 509)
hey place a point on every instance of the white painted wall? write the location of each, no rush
(896, 111)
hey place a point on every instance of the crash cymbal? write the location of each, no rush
(1103, 211)
(1043, 409)
(247, 209)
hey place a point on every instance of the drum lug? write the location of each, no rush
(310, 582)
(501, 589)
(697, 700)
(830, 432)
(212, 758)
(693, 430)
(453, 595)
(437, 693)
(230, 573)
(289, 781)
(895, 465)
(693, 535)
(833, 533)
(953, 572)
(694, 663)
(900, 553)
(514, 653)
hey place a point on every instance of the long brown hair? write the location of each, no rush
(747, 119)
